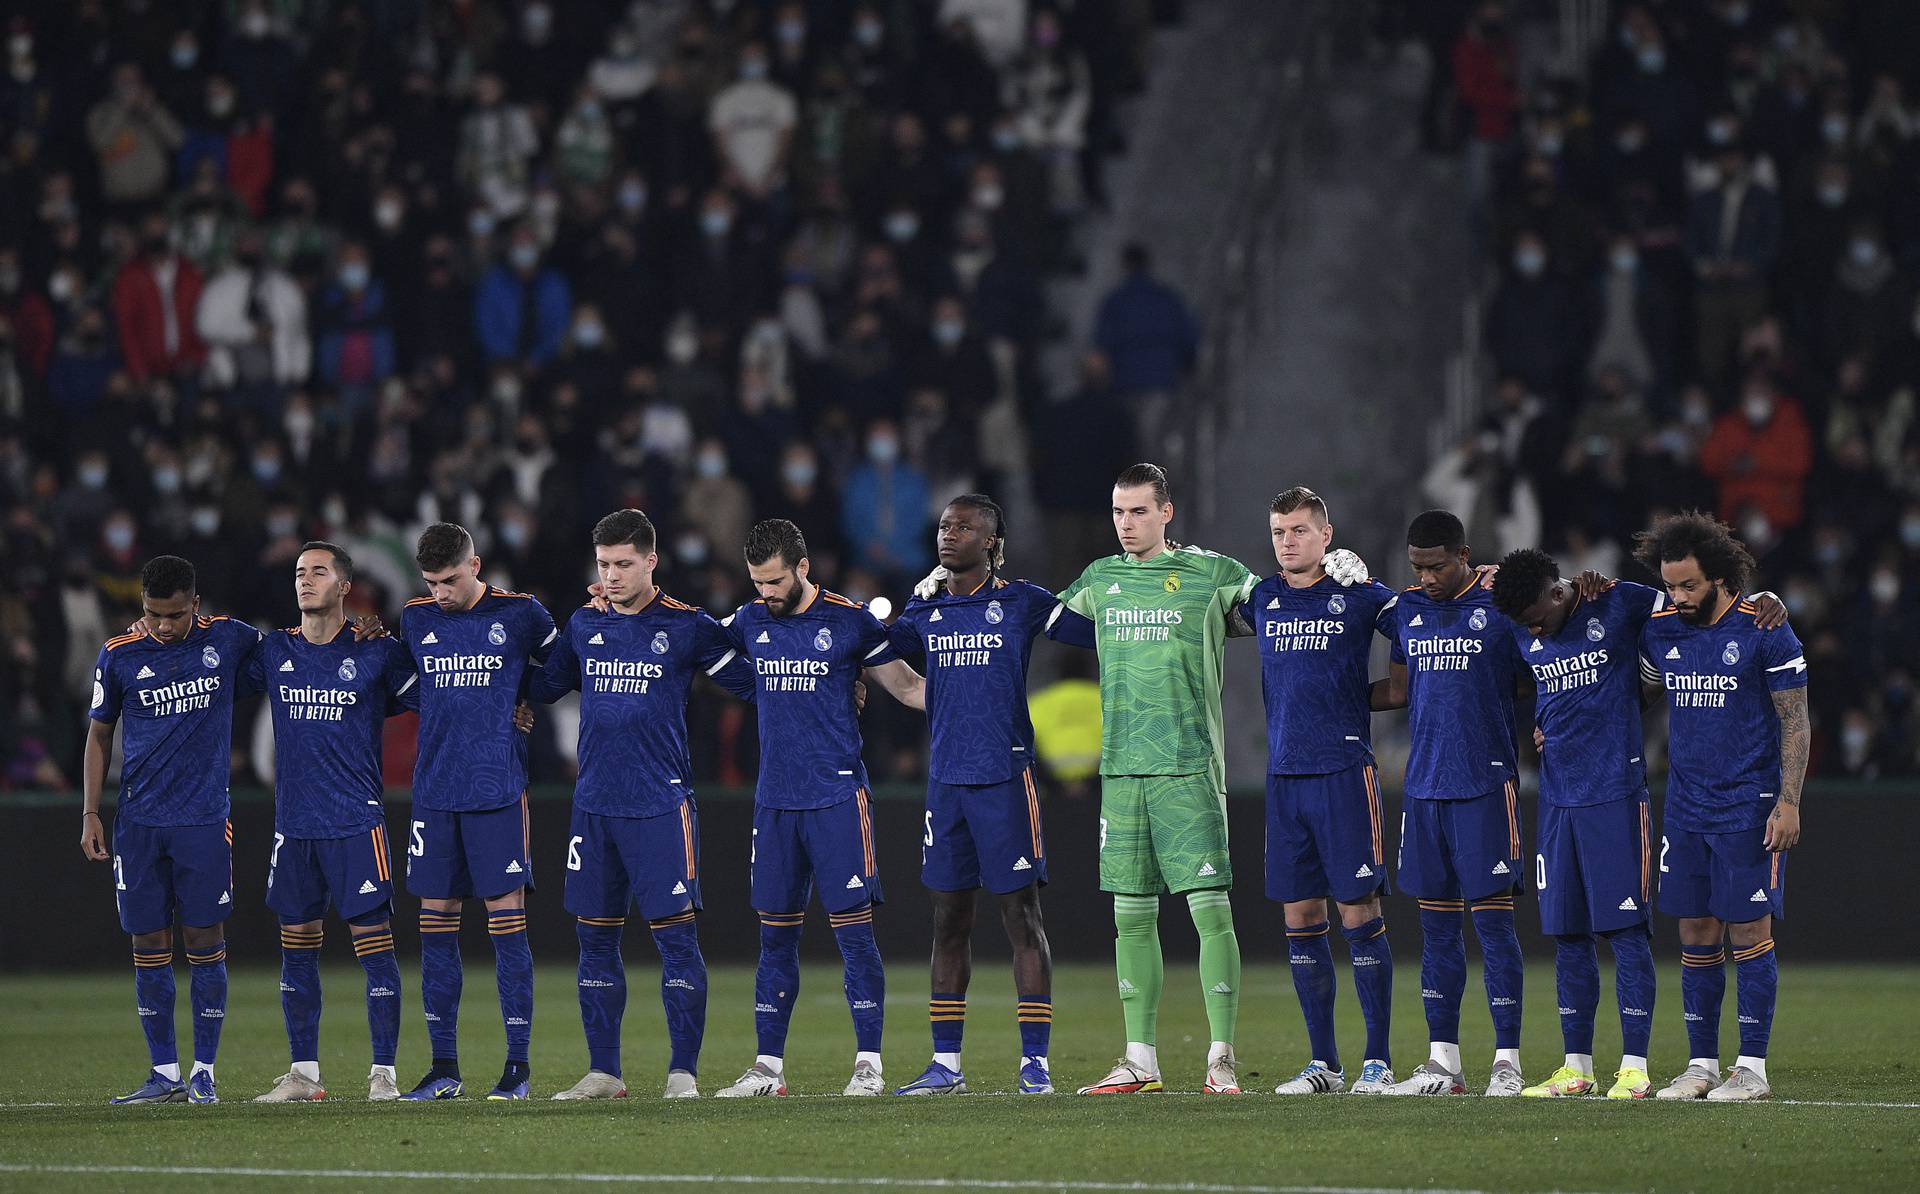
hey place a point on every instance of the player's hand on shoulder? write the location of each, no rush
(1345, 566)
(1486, 573)
(932, 582)
(597, 598)
(1591, 584)
(523, 717)
(1769, 612)
(93, 837)
(1783, 828)
(859, 696)
(366, 627)
(1539, 739)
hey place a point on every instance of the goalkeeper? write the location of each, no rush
(1162, 614)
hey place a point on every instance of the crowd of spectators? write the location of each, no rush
(1704, 254)
(280, 269)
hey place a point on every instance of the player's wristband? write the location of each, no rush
(88, 813)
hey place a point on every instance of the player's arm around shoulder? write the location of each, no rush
(1234, 584)
(1786, 672)
(560, 673)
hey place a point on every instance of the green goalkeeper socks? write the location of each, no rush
(1219, 960)
(1139, 966)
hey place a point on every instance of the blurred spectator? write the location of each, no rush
(1760, 455)
(1483, 78)
(523, 307)
(752, 121)
(356, 349)
(1733, 237)
(497, 145)
(885, 514)
(155, 298)
(253, 318)
(133, 137)
(717, 504)
(1151, 339)
(1533, 325)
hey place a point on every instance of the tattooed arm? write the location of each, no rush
(1783, 826)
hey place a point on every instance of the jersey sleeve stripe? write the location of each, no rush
(877, 650)
(722, 662)
(123, 640)
(551, 635)
(1055, 615)
(421, 601)
(1797, 664)
(411, 680)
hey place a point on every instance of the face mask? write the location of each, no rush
(883, 449)
(20, 45)
(791, 32)
(799, 474)
(1756, 529)
(753, 69)
(1855, 740)
(1885, 587)
(949, 331)
(388, 215)
(589, 335)
(1834, 129)
(989, 197)
(513, 534)
(206, 521)
(282, 525)
(1529, 261)
(1630, 143)
(506, 390)
(266, 469)
(1006, 140)
(185, 55)
(1653, 59)
(1830, 552)
(716, 223)
(682, 348)
(299, 423)
(9, 280)
(1624, 260)
(1549, 144)
(1758, 408)
(524, 257)
(335, 512)
(61, 287)
(1864, 252)
(167, 480)
(119, 537)
(902, 226)
(1736, 14)
(868, 33)
(354, 275)
(692, 551)
(536, 21)
(1832, 194)
(1720, 132)
(480, 225)
(546, 205)
(633, 197)
(1910, 532)
(711, 464)
(93, 476)
(256, 24)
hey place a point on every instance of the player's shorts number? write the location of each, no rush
(273, 858)
(1103, 833)
(1663, 853)
(573, 853)
(416, 846)
(119, 879)
(753, 849)
(1540, 872)
(927, 838)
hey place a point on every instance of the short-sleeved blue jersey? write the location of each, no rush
(633, 672)
(1462, 665)
(977, 646)
(1588, 682)
(177, 741)
(328, 701)
(805, 664)
(1723, 734)
(472, 664)
(1314, 644)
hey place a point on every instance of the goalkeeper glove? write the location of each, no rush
(1345, 567)
(932, 583)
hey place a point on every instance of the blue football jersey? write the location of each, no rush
(805, 664)
(1314, 644)
(1723, 735)
(1462, 665)
(977, 646)
(176, 745)
(472, 666)
(633, 672)
(1587, 679)
(328, 701)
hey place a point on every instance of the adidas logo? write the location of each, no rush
(1758, 897)
(1416, 621)
(1206, 871)
(1535, 647)
(1673, 652)
(146, 673)
(513, 868)
(1113, 588)
(1365, 872)
(935, 617)
(763, 637)
(368, 888)
(287, 666)
(226, 897)
(853, 884)
(1221, 989)
(1500, 868)
(1022, 864)
(596, 641)
(1627, 905)
(1126, 988)
(678, 889)
(1273, 603)
(430, 639)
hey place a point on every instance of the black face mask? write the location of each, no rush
(157, 246)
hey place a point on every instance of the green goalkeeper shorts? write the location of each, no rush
(1163, 833)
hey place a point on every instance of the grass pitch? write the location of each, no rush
(1844, 1040)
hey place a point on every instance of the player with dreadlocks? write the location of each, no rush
(976, 630)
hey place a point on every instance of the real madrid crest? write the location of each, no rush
(994, 613)
(210, 657)
(497, 635)
(1477, 619)
(1172, 583)
(348, 669)
(1337, 604)
(660, 644)
(1595, 631)
(1730, 654)
(824, 640)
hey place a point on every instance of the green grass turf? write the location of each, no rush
(1842, 1034)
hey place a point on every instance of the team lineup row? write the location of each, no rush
(1466, 645)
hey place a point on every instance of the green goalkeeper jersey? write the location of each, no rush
(1161, 625)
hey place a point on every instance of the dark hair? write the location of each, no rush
(1523, 576)
(166, 576)
(775, 537)
(1136, 475)
(443, 545)
(624, 527)
(997, 558)
(1437, 528)
(1289, 500)
(342, 562)
(1702, 536)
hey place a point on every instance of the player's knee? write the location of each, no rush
(1020, 917)
(1354, 916)
(517, 898)
(375, 921)
(444, 907)
(1748, 933)
(952, 921)
(1701, 930)
(204, 936)
(153, 942)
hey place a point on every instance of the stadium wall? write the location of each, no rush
(1859, 842)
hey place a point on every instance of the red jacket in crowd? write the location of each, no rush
(1765, 466)
(1483, 75)
(141, 321)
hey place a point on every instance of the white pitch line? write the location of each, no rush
(714, 1179)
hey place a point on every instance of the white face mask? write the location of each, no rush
(1885, 587)
(388, 215)
(524, 257)
(1757, 407)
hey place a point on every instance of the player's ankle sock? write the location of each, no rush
(1756, 973)
(1633, 987)
(1036, 1026)
(209, 997)
(514, 1073)
(1576, 977)
(776, 980)
(1138, 964)
(513, 974)
(1447, 1053)
(300, 990)
(947, 1019)
(1144, 1055)
(1504, 968)
(1373, 983)
(440, 982)
(1219, 961)
(375, 951)
(683, 988)
(602, 981)
(1703, 988)
(1443, 968)
(1310, 957)
(866, 977)
(153, 1001)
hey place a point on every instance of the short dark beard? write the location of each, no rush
(1705, 612)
